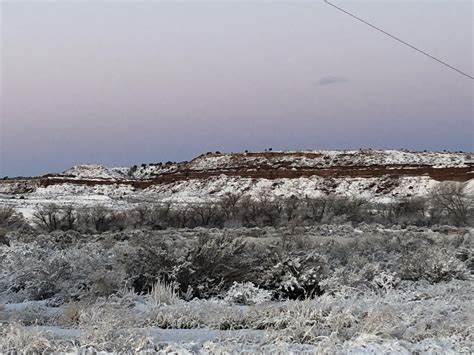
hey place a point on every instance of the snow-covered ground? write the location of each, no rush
(27, 195)
(370, 289)
(289, 159)
(326, 158)
(324, 288)
(419, 318)
(210, 190)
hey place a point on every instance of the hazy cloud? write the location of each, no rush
(330, 79)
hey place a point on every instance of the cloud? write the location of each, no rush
(330, 80)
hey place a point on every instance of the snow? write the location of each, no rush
(26, 195)
(121, 196)
(199, 191)
(324, 158)
(100, 172)
(93, 171)
(301, 159)
(416, 318)
(419, 316)
(159, 335)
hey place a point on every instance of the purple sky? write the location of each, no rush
(122, 82)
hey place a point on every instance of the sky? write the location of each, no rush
(128, 82)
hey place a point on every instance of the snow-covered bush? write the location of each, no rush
(32, 314)
(6, 216)
(40, 273)
(69, 266)
(377, 289)
(385, 280)
(247, 294)
(369, 276)
(216, 260)
(296, 276)
(10, 220)
(434, 265)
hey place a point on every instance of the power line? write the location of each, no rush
(399, 40)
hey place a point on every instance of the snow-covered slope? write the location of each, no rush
(273, 159)
(93, 171)
(331, 158)
(96, 171)
(386, 175)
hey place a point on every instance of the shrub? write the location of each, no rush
(246, 294)
(434, 265)
(213, 264)
(52, 217)
(9, 219)
(39, 273)
(101, 219)
(296, 276)
(451, 201)
(369, 276)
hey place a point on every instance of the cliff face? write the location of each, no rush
(439, 166)
(379, 176)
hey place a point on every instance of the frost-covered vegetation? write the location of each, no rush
(323, 288)
(448, 203)
(242, 274)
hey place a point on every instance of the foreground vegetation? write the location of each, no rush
(449, 203)
(322, 288)
(312, 275)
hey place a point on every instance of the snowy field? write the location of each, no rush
(119, 194)
(122, 197)
(324, 289)
(227, 264)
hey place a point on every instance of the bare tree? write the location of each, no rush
(101, 219)
(354, 209)
(451, 199)
(317, 208)
(291, 209)
(140, 215)
(9, 217)
(408, 210)
(207, 215)
(249, 211)
(271, 210)
(229, 204)
(69, 217)
(154, 216)
(9, 220)
(48, 217)
(181, 217)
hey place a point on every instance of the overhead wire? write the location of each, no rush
(400, 40)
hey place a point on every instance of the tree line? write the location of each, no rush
(448, 203)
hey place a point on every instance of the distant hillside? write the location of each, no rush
(273, 165)
(378, 175)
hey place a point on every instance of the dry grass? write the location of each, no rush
(385, 292)
(163, 293)
(16, 338)
(111, 327)
(71, 314)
